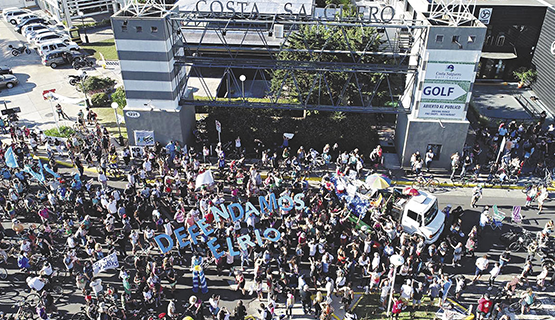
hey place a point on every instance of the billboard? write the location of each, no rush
(447, 83)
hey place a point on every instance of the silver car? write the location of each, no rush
(8, 81)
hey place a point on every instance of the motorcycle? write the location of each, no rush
(19, 50)
(81, 63)
(75, 79)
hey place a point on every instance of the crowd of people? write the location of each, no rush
(70, 221)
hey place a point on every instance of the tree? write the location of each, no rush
(119, 97)
(344, 45)
(526, 76)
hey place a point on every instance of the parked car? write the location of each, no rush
(47, 47)
(23, 17)
(49, 37)
(32, 35)
(8, 81)
(11, 14)
(23, 23)
(61, 57)
(5, 70)
(33, 27)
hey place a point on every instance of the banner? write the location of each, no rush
(144, 138)
(109, 262)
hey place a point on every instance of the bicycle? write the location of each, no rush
(524, 240)
(516, 306)
(427, 183)
(24, 310)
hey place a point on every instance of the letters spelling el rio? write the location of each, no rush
(235, 212)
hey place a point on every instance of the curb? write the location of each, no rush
(394, 182)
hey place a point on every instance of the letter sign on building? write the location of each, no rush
(442, 91)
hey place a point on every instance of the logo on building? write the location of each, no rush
(450, 68)
(553, 48)
(132, 114)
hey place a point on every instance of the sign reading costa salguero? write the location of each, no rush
(297, 9)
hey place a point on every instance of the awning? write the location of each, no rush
(499, 55)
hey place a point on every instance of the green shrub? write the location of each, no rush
(65, 132)
(96, 84)
(119, 97)
(101, 99)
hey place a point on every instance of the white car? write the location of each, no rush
(33, 27)
(50, 36)
(11, 14)
(33, 35)
(23, 17)
(45, 48)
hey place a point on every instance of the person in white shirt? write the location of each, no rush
(407, 290)
(375, 261)
(46, 270)
(482, 264)
(103, 179)
(329, 287)
(36, 283)
(494, 272)
(540, 280)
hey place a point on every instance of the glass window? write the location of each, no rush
(471, 39)
(439, 38)
(153, 29)
(123, 28)
(455, 39)
(139, 29)
(431, 214)
(413, 215)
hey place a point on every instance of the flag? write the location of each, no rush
(41, 170)
(11, 161)
(34, 174)
(47, 168)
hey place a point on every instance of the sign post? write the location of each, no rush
(47, 95)
(219, 129)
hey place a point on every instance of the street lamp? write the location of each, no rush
(82, 15)
(115, 107)
(243, 78)
(396, 260)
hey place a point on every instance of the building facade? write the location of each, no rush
(544, 62)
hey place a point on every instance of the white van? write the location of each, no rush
(10, 15)
(45, 48)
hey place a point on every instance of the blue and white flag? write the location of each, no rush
(49, 170)
(11, 160)
(34, 174)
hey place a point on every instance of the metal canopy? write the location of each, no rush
(202, 41)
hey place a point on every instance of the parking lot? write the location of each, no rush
(34, 78)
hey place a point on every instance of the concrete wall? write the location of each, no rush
(451, 135)
(167, 125)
